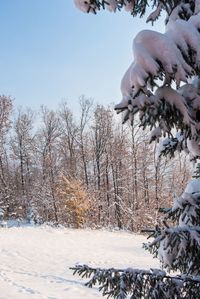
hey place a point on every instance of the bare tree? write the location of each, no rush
(68, 140)
(101, 132)
(22, 151)
(116, 166)
(85, 116)
(5, 125)
(48, 147)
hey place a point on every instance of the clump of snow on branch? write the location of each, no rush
(172, 247)
(155, 14)
(172, 244)
(160, 56)
(193, 186)
(92, 6)
(86, 6)
(111, 5)
(159, 60)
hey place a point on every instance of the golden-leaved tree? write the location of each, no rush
(73, 200)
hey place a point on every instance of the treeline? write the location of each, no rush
(82, 170)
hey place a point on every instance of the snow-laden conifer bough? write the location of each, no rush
(162, 86)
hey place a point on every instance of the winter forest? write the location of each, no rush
(85, 187)
(83, 170)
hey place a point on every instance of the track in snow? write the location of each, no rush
(35, 261)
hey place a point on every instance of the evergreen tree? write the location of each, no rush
(162, 85)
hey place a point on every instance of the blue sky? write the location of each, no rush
(50, 52)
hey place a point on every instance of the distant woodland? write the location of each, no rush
(84, 169)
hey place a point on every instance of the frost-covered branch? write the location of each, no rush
(135, 7)
(172, 246)
(170, 145)
(139, 7)
(151, 284)
(161, 59)
(186, 209)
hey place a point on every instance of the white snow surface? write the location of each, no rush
(35, 261)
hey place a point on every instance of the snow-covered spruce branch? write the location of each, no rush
(135, 7)
(151, 284)
(158, 111)
(159, 60)
(185, 210)
(173, 246)
(170, 145)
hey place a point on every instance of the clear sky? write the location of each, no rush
(50, 52)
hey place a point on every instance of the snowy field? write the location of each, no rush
(34, 262)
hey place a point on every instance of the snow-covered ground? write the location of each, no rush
(35, 261)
